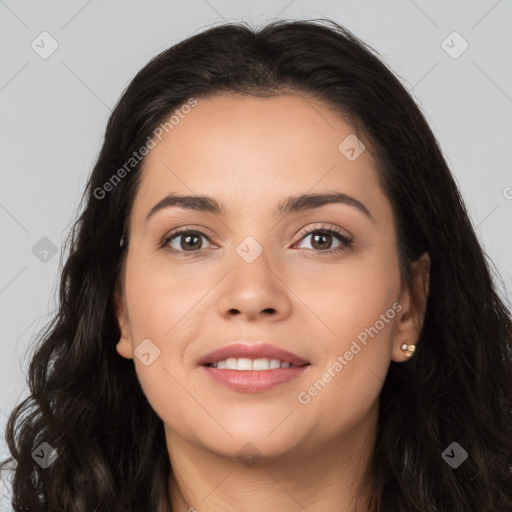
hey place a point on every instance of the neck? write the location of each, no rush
(318, 478)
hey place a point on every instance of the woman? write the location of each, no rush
(274, 300)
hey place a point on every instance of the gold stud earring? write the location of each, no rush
(408, 349)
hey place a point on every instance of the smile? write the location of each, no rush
(247, 364)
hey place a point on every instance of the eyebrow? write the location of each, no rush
(290, 205)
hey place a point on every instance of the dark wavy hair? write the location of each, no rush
(86, 401)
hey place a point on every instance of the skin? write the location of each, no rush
(250, 154)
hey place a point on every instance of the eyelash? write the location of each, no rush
(346, 240)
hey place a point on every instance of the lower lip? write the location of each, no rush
(253, 381)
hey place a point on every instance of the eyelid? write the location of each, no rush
(326, 227)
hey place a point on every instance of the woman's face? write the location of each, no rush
(261, 272)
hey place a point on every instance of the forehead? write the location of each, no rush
(250, 151)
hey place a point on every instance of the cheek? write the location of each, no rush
(352, 295)
(162, 310)
(344, 387)
(360, 308)
(160, 302)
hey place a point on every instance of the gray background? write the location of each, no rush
(54, 111)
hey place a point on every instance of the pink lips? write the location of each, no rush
(253, 381)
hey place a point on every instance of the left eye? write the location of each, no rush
(319, 236)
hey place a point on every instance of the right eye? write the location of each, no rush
(186, 241)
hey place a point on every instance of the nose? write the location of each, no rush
(254, 290)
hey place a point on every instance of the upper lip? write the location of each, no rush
(252, 351)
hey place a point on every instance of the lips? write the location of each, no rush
(243, 379)
(252, 351)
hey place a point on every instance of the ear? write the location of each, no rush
(409, 320)
(124, 345)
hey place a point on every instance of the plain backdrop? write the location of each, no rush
(54, 110)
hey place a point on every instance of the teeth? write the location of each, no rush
(274, 364)
(262, 364)
(244, 363)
